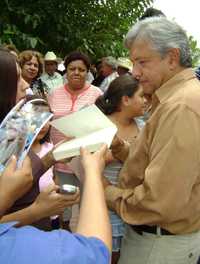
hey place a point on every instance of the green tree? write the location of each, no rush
(195, 52)
(96, 27)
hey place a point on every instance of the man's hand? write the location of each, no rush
(15, 182)
(119, 148)
(105, 182)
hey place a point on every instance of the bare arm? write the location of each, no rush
(25, 216)
(48, 160)
(48, 203)
(94, 219)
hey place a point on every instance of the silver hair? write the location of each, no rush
(111, 61)
(164, 35)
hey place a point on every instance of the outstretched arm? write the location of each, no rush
(94, 219)
(48, 203)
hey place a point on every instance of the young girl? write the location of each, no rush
(123, 103)
(41, 146)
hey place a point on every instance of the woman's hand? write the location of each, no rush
(93, 161)
(15, 182)
(49, 202)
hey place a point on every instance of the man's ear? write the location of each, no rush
(174, 58)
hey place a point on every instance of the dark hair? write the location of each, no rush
(27, 55)
(8, 82)
(150, 12)
(77, 55)
(123, 85)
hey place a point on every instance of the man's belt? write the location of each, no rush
(140, 229)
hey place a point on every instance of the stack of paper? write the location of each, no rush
(90, 127)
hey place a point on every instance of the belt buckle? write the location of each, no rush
(158, 231)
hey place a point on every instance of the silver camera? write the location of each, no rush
(68, 189)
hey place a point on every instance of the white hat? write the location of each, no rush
(125, 63)
(50, 56)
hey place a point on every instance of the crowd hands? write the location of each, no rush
(14, 182)
(50, 201)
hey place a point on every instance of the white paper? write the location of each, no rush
(82, 122)
(90, 127)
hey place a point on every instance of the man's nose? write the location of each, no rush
(136, 72)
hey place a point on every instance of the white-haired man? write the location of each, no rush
(109, 71)
(159, 188)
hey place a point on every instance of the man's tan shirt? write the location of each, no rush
(160, 181)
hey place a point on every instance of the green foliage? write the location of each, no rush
(195, 51)
(96, 27)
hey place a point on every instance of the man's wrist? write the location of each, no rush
(105, 182)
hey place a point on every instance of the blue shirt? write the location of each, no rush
(27, 245)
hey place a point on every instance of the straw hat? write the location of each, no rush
(125, 63)
(50, 56)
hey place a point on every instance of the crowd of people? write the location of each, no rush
(138, 202)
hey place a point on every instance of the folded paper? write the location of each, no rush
(90, 127)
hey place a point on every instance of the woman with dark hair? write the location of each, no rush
(27, 209)
(74, 95)
(31, 63)
(122, 103)
(8, 81)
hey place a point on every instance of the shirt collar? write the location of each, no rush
(55, 75)
(82, 91)
(6, 226)
(174, 84)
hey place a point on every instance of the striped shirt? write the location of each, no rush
(63, 102)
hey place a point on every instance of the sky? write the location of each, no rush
(185, 13)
